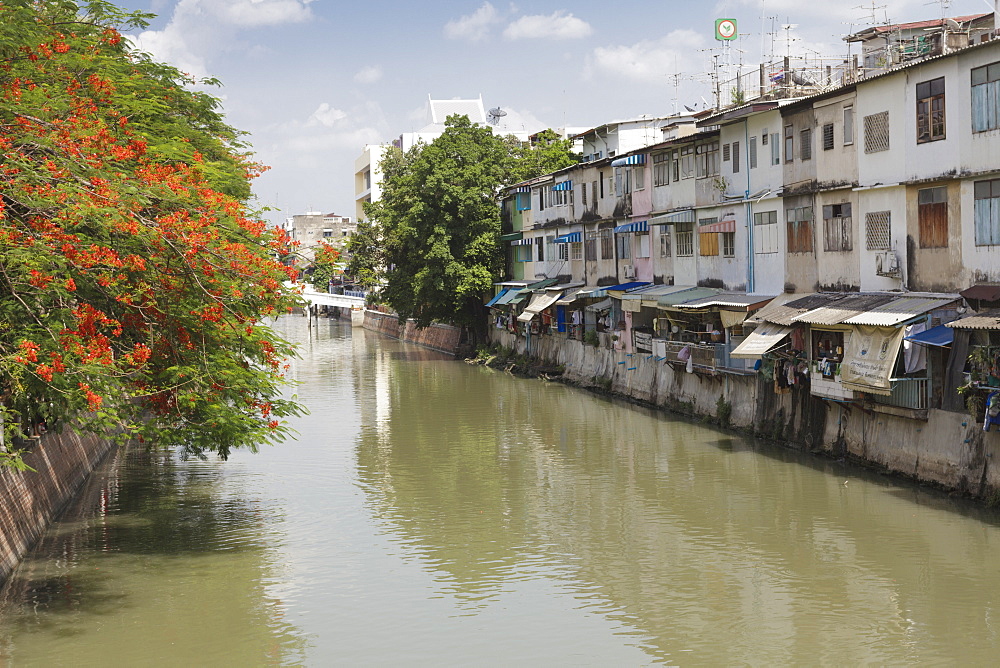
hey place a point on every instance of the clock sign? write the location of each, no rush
(725, 29)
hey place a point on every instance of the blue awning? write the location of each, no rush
(637, 226)
(522, 189)
(638, 159)
(522, 242)
(497, 297)
(625, 287)
(935, 336)
(563, 185)
(571, 238)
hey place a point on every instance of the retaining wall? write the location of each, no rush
(32, 499)
(946, 449)
(439, 337)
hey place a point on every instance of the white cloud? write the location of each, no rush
(199, 29)
(648, 61)
(558, 25)
(326, 116)
(473, 27)
(368, 75)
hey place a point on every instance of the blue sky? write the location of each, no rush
(312, 81)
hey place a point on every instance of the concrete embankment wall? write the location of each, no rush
(945, 448)
(32, 499)
(439, 337)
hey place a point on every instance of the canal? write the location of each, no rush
(432, 512)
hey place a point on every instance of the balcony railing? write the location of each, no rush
(907, 393)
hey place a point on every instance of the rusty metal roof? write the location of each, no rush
(784, 308)
(902, 308)
(843, 309)
(733, 299)
(985, 320)
(986, 293)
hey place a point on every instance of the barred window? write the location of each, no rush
(576, 251)
(877, 230)
(828, 137)
(607, 245)
(877, 132)
(685, 239)
(806, 144)
(590, 247)
(752, 152)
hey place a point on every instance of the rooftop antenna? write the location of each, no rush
(495, 114)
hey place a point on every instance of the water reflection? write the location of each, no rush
(707, 547)
(145, 561)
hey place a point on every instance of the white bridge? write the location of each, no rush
(351, 300)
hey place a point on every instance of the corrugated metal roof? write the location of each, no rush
(988, 293)
(737, 299)
(843, 309)
(985, 320)
(652, 292)
(673, 299)
(784, 308)
(901, 309)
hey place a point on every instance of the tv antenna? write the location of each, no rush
(495, 114)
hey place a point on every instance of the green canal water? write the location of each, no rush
(435, 513)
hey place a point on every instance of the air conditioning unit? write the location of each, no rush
(628, 270)
(887, 264)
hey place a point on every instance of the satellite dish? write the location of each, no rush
(953, 25)
(495, 114)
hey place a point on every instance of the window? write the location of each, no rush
(594, 192)
(775, 150)
(327, 233)
(687, 162)
(848, 125)
(523, 201)
(623, 183)
(930, 110)
(685, 239)
(551, 252)
(725, 153)
(664, 241)
(583, 194)
(828, 137)
(541, 199)
(642, 245)
(878, 236)
(806, 144)
(601, 179)
(736, 157)
(708, 159)
(675, 166)
(607, 245)
(800, 229)
(559, 197)
(639, 177)
(624, 244)
(987, 212)
(729, 244)
(576, 251)
(708, 242)
(590, 247)
(661, 169)
(522, 253)
(789, 143)
(765, 232)
(837, 227)
(877, 132)
(752, 151)
(986, 98)
(932, 216)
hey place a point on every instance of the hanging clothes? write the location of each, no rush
(914, 355)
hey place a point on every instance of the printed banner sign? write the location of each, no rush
(870, 358)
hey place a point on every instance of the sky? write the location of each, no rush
(312, 81)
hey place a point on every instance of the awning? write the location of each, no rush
(729, 299)
(870, 357)
(783, 308)
(939, 336)
(513, 236)
(572, 295)
(985, 293)
(522, 242)
(675, 298)
(638, 159)
(843, 309)
(636, 226)
(622, 287)
(563, 185)
(685, 216)
(985, 320)
(539, 302)
(571, 238)
(761, 340)
(506, 297)
(721, 226)
(600, 306)
(522, 189)
(498, 296)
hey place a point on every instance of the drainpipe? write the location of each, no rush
(751, 284)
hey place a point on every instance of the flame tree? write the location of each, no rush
(133, 279)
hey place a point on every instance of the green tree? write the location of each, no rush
(437, 223)
(133, 279)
